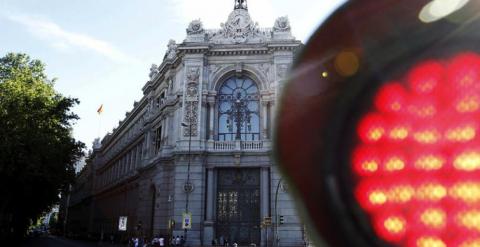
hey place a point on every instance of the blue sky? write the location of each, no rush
(101, 50)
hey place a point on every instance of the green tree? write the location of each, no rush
(37, 150)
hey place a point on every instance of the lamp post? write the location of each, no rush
(66, 211)
(277, 237)
(188, 187)
(240, 114)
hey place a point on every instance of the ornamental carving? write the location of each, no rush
(265, 68)
(191, 118)
(192, 91)
(282, 70)
(239, 28)
(213, 70)
(191, 101)
(195, 27)
(282, 24)
(193, 74)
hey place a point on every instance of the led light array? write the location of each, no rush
(417, 162)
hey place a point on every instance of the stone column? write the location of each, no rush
(272, 118)
(264, 202)
(208, 233)
(212, 120)
(264, 119)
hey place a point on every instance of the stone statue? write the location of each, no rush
(171, 49)
(153, 71)
(240, 4)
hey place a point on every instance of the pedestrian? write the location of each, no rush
(140, 242)
(135, 242)
(155, 242)
(214, 242)
(221, 241)
(182, 241)
(161, 241)
(177, 241)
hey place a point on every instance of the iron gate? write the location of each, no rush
(238, 206)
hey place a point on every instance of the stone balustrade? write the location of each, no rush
(228, 146)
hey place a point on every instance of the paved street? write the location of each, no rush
(53, 241)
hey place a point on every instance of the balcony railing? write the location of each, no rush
(227, 146)
(224, 145)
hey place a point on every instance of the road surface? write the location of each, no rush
(53, 241)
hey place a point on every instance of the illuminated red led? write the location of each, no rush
(425, 77)
(417, 162)
(391, 98)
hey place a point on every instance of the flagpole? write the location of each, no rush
(99, 111)
(99, 124)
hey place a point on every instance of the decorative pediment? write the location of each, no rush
(239, 28)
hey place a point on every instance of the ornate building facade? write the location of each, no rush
(199, 141)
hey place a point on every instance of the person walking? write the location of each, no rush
(177, 241)
(221, 241)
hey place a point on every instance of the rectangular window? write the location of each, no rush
(161, 99)
(140, 154)
(158, 139)
(134, 158)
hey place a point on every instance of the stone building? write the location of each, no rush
(199, 141)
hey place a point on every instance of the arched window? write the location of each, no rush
(238, 110)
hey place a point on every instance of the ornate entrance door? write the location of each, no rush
(238, 206)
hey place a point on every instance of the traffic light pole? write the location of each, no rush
(188, 172)
(277, 237)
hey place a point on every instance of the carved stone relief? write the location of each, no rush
(213, 70)
(193, 74)
(282, 24)
(192, 92)
(195, 27)
(239, 28)
(191, 101)
(266, 69)
(191, 118)
(282, 70)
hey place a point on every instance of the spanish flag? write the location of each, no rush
(100, 109)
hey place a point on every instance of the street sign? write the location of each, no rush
(171, 224)
(187, 221)
(122, 223)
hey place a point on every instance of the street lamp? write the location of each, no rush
(240, 114)
(188, 187)
(277, 237)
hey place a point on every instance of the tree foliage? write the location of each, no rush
(37, 151)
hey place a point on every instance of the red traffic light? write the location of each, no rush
(378, 129)
(417, 161)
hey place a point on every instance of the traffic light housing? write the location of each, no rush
(281, 220)
(346, 117)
